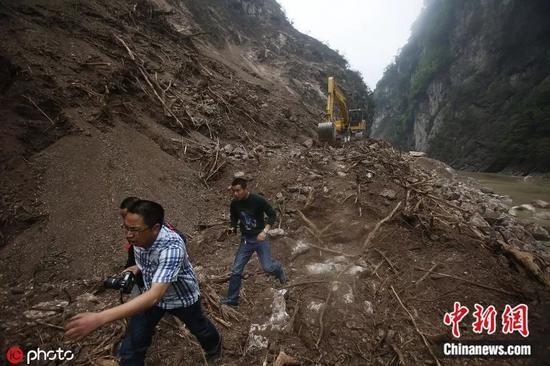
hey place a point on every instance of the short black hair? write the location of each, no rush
(239, 181)
(152, 212)
(127, 202)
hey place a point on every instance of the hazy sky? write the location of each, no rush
(368, 33)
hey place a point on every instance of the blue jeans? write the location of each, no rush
(141, 327)
(247, 247)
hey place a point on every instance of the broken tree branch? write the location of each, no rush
(148, 80)
(386, 259)
(40, 109)
(377, 227)
(426, 274)
(416, 327)
(310, 223)
(468, 281)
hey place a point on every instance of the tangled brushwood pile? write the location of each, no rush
(101, 100)
(377, 246)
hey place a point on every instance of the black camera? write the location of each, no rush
(123, 282)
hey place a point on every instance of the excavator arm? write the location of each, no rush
(334, 126)
(335, 94)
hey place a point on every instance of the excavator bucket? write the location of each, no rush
(326, 132)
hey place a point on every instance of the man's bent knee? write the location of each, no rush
(237, 271)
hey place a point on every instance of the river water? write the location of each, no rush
(520, 189)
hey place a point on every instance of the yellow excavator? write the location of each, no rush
(350, 123)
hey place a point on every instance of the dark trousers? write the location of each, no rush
(141, 328)
(247, 247)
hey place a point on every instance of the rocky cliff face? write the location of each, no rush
(257, 36)
(472, 86)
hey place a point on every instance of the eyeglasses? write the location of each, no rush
(133, 230)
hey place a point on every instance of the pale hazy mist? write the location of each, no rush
(368, 33)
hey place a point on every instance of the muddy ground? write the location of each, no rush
(377, 245)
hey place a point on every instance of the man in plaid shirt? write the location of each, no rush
(170, 283)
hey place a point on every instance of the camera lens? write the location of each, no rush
(112, 282)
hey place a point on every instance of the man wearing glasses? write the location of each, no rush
(170, 283)
(131, 260)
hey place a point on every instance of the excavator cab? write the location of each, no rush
(358, 125)
(355, 117)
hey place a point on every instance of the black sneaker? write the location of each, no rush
(216, 356)
(226, 301)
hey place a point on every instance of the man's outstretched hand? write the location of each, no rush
(82, 324)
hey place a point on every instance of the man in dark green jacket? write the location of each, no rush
(249, 211)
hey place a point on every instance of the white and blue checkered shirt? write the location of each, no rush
(166, 261)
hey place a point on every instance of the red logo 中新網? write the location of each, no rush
(455, 317)
(15, 355)
(484, 319)
(514, 319)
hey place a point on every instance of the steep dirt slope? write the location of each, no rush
(103, 100)
(75, 68)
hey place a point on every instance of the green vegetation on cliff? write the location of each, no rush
(472, 86)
